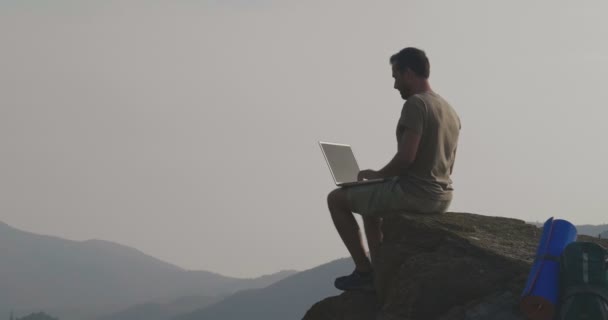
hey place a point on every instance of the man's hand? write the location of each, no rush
(368, 175)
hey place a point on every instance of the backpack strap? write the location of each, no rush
(566, 301)
(586, 289)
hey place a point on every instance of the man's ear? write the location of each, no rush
(408, 72)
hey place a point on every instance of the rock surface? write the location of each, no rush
(452, 266)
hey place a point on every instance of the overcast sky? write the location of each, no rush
(189, 129)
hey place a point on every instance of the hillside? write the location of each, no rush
(284, 300)
(81, 280)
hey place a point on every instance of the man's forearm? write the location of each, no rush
(396, 167)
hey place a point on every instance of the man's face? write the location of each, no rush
(402, 82)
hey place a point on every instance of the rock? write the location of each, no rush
(351, 305)
(452, 266)
(496, 307)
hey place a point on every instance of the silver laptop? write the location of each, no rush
(342, 164)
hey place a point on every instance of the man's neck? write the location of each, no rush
(422, 86)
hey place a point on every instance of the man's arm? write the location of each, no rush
(406, 154)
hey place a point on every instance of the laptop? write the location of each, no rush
(342, 164)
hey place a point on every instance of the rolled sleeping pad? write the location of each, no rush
(540, 296)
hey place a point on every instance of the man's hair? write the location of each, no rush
(414, 59)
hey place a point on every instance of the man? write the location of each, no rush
(418, 176)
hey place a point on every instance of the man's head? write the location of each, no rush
(411, 71)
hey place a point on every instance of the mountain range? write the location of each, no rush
(78, 280)
(287, 299)
(593, 230)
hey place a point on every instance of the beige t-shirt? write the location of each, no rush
(430, 115)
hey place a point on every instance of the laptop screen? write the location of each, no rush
(341, 161)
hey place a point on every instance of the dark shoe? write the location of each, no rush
(356, 281)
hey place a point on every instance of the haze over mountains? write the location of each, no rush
(287, 299)
(80, 280)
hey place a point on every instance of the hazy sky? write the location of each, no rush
(189, 129)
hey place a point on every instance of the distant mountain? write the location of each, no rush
(592, 230)
(166, 311)
(38, 316)
(82, 280)
(584, 229)
(162, 311)
(288, 299)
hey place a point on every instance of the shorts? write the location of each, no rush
(379, 199)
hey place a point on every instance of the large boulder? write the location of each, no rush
(451, 266)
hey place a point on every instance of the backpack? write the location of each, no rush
(583, 282)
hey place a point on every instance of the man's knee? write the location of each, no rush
(337, 198)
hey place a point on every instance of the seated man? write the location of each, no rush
(427, 135)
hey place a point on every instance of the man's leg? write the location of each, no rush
(373, 232)
(347, 227)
